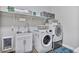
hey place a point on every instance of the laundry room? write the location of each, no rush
(39, 29)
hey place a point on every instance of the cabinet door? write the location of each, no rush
(19, 44)
(28, 44)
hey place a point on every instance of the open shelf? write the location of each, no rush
(25, 14)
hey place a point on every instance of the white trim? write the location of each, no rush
(68, 46)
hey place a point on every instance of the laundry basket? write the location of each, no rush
(63, 50)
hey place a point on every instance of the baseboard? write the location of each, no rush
(68, 46)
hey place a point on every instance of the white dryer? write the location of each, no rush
(42, 41)
(57, 33)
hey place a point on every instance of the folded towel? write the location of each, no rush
(63, 50)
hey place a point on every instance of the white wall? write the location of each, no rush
(78, 23)
(68, 16)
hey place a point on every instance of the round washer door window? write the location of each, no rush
(58, 31)
(46, 40)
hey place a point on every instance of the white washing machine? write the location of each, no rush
(42, 41)
(57, 34)
(55, 29)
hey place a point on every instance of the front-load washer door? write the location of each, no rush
(58, 31)
(46, 40)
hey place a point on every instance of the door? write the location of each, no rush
(58, 30)
(19, 44)
(28, 43)
(7, 43)
(46, 40)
